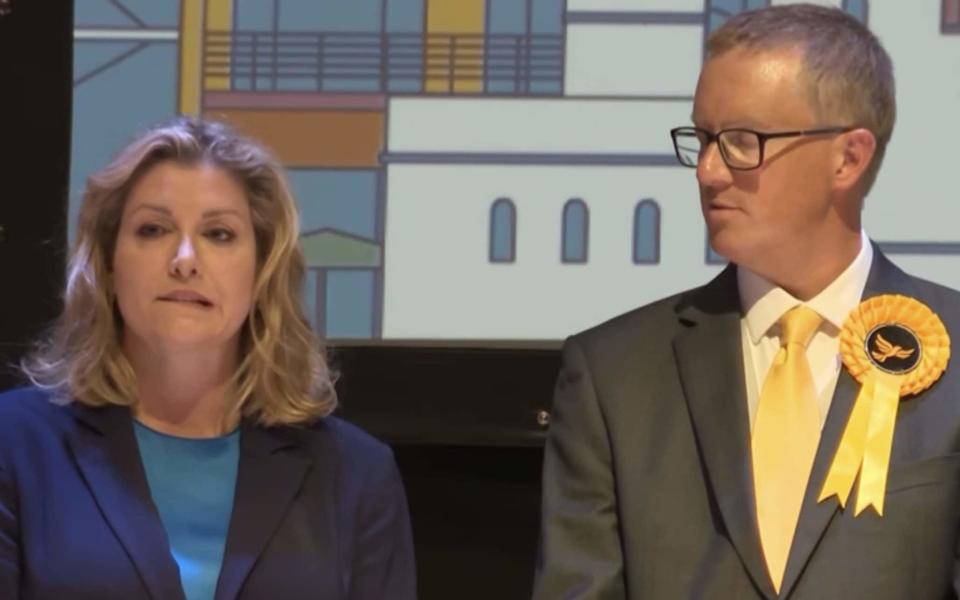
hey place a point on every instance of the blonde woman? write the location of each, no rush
(178, 441)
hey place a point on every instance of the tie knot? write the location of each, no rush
(798, 326)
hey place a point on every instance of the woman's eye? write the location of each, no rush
(220, 235)
(150, 230)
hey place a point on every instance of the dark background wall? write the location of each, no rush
(466, 425)
(35, 74)
(35, 70)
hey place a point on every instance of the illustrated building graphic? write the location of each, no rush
(491, 169)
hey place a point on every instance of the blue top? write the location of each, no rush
(192, 481)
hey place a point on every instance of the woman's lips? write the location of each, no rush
(187, 297)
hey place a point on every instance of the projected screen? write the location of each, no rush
(491, 171)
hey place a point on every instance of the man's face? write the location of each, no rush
(756, 218)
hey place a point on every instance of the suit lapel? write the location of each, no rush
(271, 473)
(815, 517)
(108, 457)
(710, 361)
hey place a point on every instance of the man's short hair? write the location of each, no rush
(850, 75)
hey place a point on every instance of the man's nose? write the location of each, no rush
(712, 171)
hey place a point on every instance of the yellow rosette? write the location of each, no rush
(894, 346)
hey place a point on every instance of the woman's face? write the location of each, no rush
(185, 259)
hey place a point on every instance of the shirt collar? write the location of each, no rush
(764, 302)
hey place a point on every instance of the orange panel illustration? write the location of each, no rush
(314, 138)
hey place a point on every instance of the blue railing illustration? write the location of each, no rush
(385, 62)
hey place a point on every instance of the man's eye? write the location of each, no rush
(742, 139)
(220, 235)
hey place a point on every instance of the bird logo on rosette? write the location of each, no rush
(893, 348)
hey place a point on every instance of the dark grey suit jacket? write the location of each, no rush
(647, 485)
(319, 512)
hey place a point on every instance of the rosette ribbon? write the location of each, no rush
(895, 347)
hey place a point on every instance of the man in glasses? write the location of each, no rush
(691, 439)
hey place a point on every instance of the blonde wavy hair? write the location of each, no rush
(283, 377)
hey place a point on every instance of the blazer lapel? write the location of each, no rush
(710, 361)
(108, 457)
(815, 517)
(271, 473)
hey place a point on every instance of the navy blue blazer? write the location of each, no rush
(319, 512)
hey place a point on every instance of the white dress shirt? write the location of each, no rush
(763, 303)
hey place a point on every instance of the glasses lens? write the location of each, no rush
(688, 145)
(740, 148)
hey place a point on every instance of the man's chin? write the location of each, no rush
(733, 247)
(722, 244)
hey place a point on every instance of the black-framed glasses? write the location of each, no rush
(741, 149)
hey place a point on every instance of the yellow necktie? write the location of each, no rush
(785, 437)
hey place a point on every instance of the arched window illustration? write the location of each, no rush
(503, 231)
(718, 11)
(576, 231)
(646, 232)
(950, 16)
(858, 8)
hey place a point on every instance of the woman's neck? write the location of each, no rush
(181, 393)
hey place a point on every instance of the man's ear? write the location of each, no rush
(854, 153)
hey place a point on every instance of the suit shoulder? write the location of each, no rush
(941, 298)
(364, 464)
(20, 395)
(27, 417)
(23, 404)
(351, 441)
(656, 320)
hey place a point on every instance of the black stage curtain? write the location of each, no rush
(36, 64)
(467, 426)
